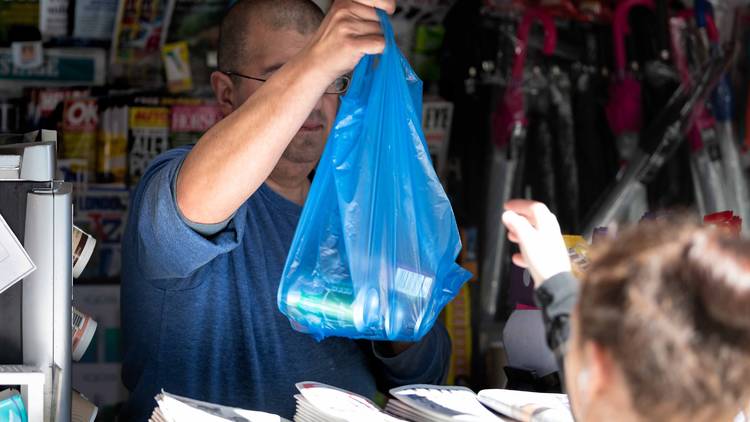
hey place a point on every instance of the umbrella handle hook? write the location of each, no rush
(550, 38)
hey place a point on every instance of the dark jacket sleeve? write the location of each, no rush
(425, 362)
(557, 296)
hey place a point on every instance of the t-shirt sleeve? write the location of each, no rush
(425, 362)
(204, 229)
(167, 247)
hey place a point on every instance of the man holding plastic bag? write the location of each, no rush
(210, 228)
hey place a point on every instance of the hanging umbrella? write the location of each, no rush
(624, 109)
(509, 132)
(663, 136)
(735, 177)
(735, 180)
(596, 154)
(651, 35)
(539, 174)
(705, 159)
(566, 167)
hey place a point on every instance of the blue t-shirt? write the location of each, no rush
(199, 314)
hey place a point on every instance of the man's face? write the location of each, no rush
(269, 50)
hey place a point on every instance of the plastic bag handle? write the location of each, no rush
(363, 70)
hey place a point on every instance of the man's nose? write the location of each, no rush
(319, 104)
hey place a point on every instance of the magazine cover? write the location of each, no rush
(189, 122)
(79, 126)
(196, 22)
(140, 29)
(149, 137)
(112, 143)
(17, 12)
(102, 212)
(53, 18)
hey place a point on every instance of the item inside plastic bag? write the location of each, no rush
(374, 252)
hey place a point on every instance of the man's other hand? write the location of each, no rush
(536, 231)
(350, 30)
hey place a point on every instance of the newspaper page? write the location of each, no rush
(94, 19)
(528, 407)
(53, 18)
(15, 263)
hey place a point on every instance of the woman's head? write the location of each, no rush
(662, 326)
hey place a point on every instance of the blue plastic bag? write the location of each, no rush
(374, 252)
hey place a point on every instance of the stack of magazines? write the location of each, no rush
(172, 408)
(423, 403)
(320, 402)
(427, 403)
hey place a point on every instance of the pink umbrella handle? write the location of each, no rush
(711, 30)
(550, 38)
(680, 59)
(676, 25)
(620, 28)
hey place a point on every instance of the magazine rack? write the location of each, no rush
(35, 314)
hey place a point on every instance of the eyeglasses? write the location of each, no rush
(339, 86)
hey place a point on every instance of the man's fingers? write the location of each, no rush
(389, 6)
(517, 259)
(370, 44)
(363, 12)
(361, 29)
(512, 237)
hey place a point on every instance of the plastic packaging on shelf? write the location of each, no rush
(83, 247)
(11, 406)
(83, 327)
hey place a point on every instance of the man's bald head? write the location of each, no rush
(235, 32)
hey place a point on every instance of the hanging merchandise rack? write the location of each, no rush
(591, 120)
(662, 138)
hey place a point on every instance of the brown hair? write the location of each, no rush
(671, 302)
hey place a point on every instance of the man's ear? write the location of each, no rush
(602, 369)
(223, 88)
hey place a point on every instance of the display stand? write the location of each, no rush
(36, 312)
